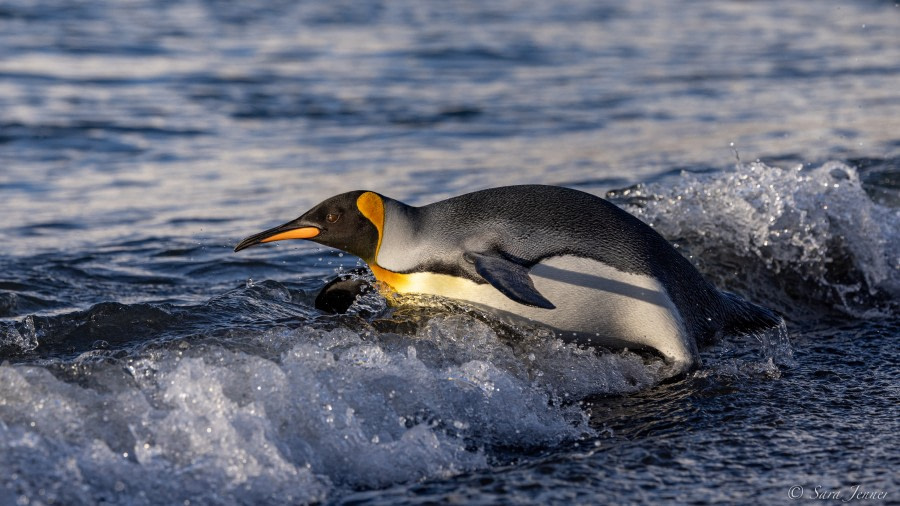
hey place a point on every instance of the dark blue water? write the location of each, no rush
(142, 362)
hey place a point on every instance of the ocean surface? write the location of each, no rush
(143, 362)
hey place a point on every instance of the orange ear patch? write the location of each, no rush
(371, 206)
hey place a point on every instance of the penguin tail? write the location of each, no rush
(743, 316)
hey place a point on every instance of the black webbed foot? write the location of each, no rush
(338, 294)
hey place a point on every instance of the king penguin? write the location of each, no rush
(560, 257)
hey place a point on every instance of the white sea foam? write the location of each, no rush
(338, 410)
(814, 230)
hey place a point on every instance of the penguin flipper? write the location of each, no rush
(510, 278)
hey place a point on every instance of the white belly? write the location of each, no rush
(595, 304)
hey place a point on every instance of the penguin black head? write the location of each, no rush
(350, 222)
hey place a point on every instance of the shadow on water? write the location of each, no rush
(119, 330)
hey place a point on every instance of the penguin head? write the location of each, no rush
(350, 222)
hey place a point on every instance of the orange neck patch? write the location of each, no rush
(371, 206)
(389, 281)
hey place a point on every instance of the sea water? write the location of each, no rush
(143, 362)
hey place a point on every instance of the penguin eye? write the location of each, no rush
(332, 217)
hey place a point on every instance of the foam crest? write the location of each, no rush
(16, 339)
(814, 233)
(337, 410)
(72, 444)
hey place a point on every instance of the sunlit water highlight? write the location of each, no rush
(142, 362)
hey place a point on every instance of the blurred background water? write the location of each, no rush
(145, 363)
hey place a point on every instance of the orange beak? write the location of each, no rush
(287, 231)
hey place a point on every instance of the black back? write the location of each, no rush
(532, 222)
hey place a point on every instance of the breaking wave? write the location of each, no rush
(256, 396)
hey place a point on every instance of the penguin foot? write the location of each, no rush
(338, 295)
